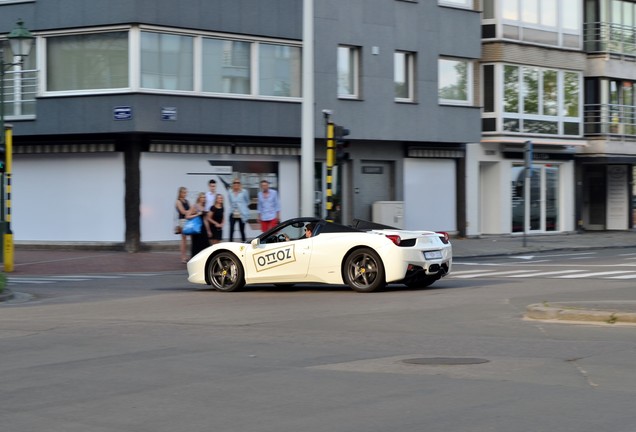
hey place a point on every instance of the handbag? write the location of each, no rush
(193, 226)
(179, 228)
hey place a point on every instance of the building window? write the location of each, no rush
(279, 70)
(88, 61)
(162, 61)
(457, 3)
(545, 22)
(455, 81)
(541, 101)
(167, 61)
(226, 66)
(609, 27)
(348, 72)
(404, 76)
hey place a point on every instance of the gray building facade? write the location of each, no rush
(120, 103)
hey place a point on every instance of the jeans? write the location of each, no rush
(233, 220)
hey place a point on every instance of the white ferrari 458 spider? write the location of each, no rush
(365, 256)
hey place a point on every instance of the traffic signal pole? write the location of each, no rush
(8, 235)
(331, 159)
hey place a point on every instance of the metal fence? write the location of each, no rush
(602, 37)
(610, 119)
(20, 91)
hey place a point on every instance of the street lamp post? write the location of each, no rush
(20, 40)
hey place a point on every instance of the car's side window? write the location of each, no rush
(296, 231)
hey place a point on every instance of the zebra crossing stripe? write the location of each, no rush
(627, 276)
(546, 273)
(490, 273)
(585, 275)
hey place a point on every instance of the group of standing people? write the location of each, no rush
(209, 206)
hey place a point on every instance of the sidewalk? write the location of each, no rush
(514, 244)
(32, 261)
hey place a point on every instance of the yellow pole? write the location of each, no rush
(331, 159)
(8, 235)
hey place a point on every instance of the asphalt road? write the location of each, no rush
(151, 353)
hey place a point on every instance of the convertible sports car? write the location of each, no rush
(365, 256)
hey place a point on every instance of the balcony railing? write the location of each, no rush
(20, 90)
(610, 120)
(602, 37)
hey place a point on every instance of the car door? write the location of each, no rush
(278, 262)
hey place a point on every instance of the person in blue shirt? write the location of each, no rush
(268, 207)
(239, 201)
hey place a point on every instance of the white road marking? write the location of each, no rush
(587, 275)
(550, 273)
(491, 273)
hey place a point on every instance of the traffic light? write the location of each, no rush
(341, 144)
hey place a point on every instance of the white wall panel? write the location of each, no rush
(68, 197)
(430, 201)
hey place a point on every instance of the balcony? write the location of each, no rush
(610, 120)
(20, 90)
(606, 38)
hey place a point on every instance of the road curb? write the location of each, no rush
(572, 313)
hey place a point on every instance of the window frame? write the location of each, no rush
(536, 32)
(134, 56)
(460, 4)
(470, 87)
(408, 65)
(353, 71)
(44, 64)
(561, 118)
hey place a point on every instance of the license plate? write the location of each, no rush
(433, 255)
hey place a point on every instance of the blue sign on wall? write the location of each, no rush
(122, 113)
(169, 113)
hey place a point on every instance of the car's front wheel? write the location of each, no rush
(225, 272)
(363, 271)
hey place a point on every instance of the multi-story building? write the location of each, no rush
(122, 102)
(605, 167)
(531, 78)
(558, 74)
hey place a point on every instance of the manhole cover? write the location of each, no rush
(445, 361)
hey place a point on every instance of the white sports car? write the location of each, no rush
(365, 256)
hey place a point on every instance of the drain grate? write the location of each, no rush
(445, 361)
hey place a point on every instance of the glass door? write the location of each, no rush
(544, 198)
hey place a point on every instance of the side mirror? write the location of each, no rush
(256, 242)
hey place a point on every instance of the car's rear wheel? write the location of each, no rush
(225, 272)
(363, 271)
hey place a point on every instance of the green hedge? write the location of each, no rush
(3, 281)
